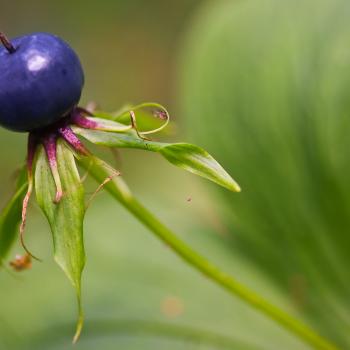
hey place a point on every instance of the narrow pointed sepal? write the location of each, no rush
(32, 148)
(51, 152)
(183, 155)
(66, 217)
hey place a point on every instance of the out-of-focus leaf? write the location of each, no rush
(10, 218)
(192, 337)
(280, 91)
(186, 156)
(66, 217)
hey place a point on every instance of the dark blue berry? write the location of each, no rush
(40, 81)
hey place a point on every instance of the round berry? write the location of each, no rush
(41, 80)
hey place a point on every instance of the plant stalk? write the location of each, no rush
(119, 191)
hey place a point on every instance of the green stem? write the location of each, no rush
(119, 191)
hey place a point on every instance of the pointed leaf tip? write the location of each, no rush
(80, 323)
(198, 161)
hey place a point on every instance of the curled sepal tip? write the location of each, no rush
(143, 118)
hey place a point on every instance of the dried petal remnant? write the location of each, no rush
(21, 262)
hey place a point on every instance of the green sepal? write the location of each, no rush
(199, 162)
(66, 217)
(10, 217)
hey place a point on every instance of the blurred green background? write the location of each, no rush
(264, 86)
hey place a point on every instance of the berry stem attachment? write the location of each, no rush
(7, 43)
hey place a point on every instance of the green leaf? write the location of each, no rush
(66, 217)
(128, 139)
(10, 219)
(197, 161)
(186, 156)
